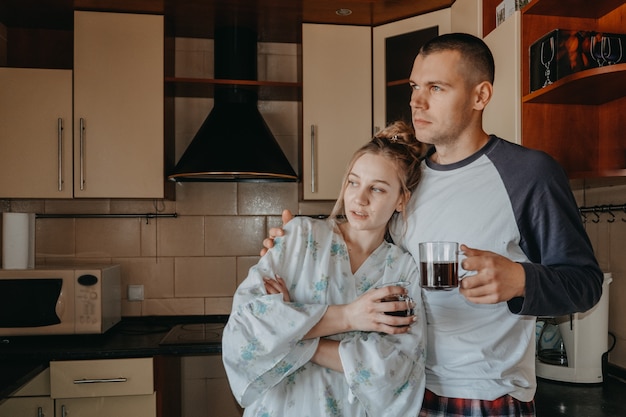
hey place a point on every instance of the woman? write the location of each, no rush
(317, 341)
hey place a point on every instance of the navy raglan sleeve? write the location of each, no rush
(563, 275)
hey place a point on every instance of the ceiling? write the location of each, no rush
(275, 20)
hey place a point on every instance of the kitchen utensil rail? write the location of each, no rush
(147, 216)
(609, 209)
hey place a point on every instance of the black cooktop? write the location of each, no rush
(194, 333)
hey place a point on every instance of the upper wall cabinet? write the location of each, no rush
(578, 118)
(112, 145)
(502, 116)
(336, 103)
(35, 133)
(118, 105)
(395, 46)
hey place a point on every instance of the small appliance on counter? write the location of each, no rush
(59, 300)
(570, 348)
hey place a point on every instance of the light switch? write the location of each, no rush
(135, 292)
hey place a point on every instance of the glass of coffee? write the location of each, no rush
(398, 297)
(439, 265)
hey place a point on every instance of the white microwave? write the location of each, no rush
(82, 299)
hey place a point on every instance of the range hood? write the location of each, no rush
(234, 143)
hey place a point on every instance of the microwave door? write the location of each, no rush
(29, 302)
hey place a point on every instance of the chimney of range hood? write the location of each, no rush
(234, 143)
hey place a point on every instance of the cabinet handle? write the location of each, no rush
(63, 411)
(60, 152)
(99, 380)
(313, 160)
(40, 412)
(82, 154)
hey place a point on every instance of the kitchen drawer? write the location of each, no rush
(101, 378)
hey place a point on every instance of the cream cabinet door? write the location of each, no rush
(467, 16)
(131, 406)
(27, 407)
(35, 133)
(336, 103)
(30, 400)
(118, 105)
(503, 114)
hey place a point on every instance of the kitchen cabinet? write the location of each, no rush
(336, 103)
(36, 133)
(502, 116)
(577, 119)
(118, 105)
(103, 387)
(112, 145)
(395, 46)
(202, 374)
(31, 400)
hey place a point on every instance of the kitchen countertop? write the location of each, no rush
(23, 357)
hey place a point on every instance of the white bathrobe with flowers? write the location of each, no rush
(268, 362)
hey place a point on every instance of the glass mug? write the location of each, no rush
(439, 265)
(398, 297)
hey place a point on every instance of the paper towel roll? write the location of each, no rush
(18, 240)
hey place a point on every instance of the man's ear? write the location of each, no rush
(484, 92)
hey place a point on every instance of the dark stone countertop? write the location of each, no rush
(23, 357)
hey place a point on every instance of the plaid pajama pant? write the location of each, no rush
(505, 406)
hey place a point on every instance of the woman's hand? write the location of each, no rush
(268, 242)
(277, 286)
(379, 310)
(368, 313)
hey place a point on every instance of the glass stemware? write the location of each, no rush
(611, 49)
(596, 49)
(547, 55)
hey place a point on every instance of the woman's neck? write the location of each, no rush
(361, 243)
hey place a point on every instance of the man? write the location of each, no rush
(514, 204)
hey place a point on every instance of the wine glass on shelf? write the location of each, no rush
(547, 55)
(611, 49)
(596, 49)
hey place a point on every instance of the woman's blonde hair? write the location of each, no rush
(397, 143)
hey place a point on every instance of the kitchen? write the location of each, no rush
(189, 265)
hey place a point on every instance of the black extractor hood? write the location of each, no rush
(234, 143)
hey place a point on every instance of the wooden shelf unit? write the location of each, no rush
(578, 119)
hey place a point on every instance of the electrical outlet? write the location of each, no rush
(135, 292)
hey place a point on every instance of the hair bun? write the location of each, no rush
(402, 133)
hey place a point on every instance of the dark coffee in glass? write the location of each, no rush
(439, 265)
(440, 275)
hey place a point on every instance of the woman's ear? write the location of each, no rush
(404, 198)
